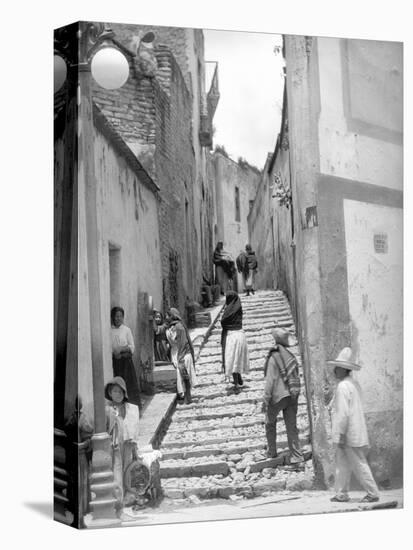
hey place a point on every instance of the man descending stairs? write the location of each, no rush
(216, 446)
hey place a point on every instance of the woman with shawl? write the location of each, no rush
(235, 357)
(123, 348)
(224, 267)
(182, 354)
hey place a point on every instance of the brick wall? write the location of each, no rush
(154, 116)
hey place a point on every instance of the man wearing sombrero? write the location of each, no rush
(350, 432)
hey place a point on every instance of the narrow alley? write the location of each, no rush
(215, 446)
(180, 202)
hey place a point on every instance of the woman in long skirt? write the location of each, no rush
(235, 357)
(123, 348)
(182, 354)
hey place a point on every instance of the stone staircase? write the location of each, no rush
(215, 447)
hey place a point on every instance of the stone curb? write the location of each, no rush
(249, 490)
(195, 470)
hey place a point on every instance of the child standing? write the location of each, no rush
(122, 420)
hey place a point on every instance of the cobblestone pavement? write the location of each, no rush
(215, 447)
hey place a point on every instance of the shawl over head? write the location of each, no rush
(223, 259)
(176, 318)
(116, 381)
(242, 263)
(231, 319)
(232, 316)
(252, 260)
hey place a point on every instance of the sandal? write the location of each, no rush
(369, 498)
(338, 498)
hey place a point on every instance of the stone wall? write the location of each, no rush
(270, 225)
(302, 86)
(130, 240)
(346, 185)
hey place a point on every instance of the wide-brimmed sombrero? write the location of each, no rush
(344, 360)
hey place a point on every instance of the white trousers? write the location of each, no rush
(353, 460)
(189, 365)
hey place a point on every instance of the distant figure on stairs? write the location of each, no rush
(235, 357)
(161, 345)
(282, 388)
(182, 354)
(224, 267)
(247, 265)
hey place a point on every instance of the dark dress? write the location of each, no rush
(123, 366)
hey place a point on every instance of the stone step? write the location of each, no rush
(198, 466)
(267, 478)
(237, 451)
(264, 313)
(267, 323)
(215, 446)
(254, 346)
(237, 417)
(215, 379)
(216, 367)
(235, 436)
(225, 411)
(221, 388)
(211, 429)
(226, 448)
(254, 352)
(252, 396)
(195, 467)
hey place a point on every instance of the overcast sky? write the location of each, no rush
(248, 115)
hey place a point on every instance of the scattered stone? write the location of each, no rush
(236, 497)
(173, 493)
(235, 458)
(299, 484)
(262, 485)
(194, 499)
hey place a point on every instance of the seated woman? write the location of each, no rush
(161, 346)
(182, 354)
(123, 348)
(122, 424)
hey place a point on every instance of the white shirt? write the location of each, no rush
(348, 415)
(122, 336)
